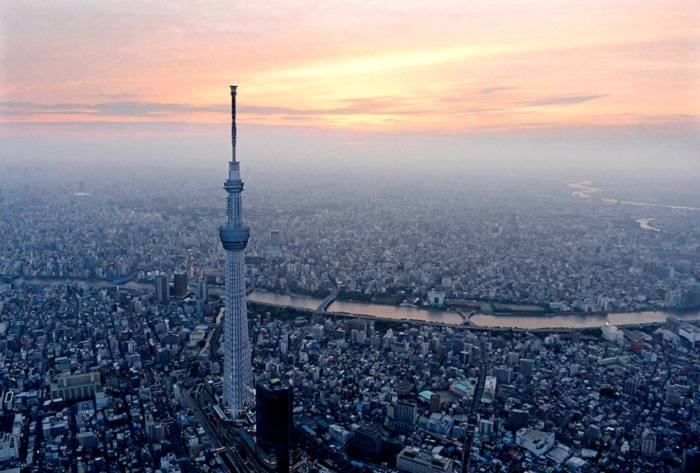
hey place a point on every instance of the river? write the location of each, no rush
(479, 320)
(581, 320)
(359, 308)
(433, 315)
(644, 223)
(264, 297)
(584, 190)
(395, 312)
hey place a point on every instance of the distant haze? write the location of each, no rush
(274, 150)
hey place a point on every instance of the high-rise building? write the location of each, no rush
(273, 399)
(435, 401)
(368, 442)
(504, 375)
(632, 385)
(180, 285)
(526, 366)
(591, 434)
(513, 358)
(690, 461)
(234, 236)
(486, 426)
(275, 239)
(162, 289)
(405, 414)
(648, 443)
(202, 289)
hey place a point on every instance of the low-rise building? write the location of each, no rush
(415, 460)
(535, 441)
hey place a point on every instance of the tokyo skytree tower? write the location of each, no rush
(234, 236)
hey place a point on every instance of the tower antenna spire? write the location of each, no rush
(234, 238)
(233, 122)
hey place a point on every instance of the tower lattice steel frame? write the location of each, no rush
(238, 393)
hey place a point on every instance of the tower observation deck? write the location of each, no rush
(238, 393)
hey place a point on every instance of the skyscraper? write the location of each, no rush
(162, 289)
(234, 238)
(180, 284)
(273, 430)
(202, 289)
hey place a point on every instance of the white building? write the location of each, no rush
(612, 333)
(436, 298)
(318, 331)
(340, 434)
(486, 426)
(489, 390)
(10, 427)
(690, 333)
(440, 423)
(463, 387)
(415, 460)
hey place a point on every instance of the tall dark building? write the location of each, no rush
(435, 401)
(406, 414)
(368, 443)
(517, 419)
(180, 285)
(162, 289)
(691, 461)
(273, 400)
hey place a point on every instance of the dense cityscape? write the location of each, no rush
(523, 239)
(112, 316)
(369, 395)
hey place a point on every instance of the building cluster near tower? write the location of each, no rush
(273, 399)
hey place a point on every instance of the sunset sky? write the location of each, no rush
(361, 72)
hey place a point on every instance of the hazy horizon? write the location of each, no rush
(540, 87)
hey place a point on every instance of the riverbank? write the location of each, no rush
(565, 321)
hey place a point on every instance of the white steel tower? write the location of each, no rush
(234, 237)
